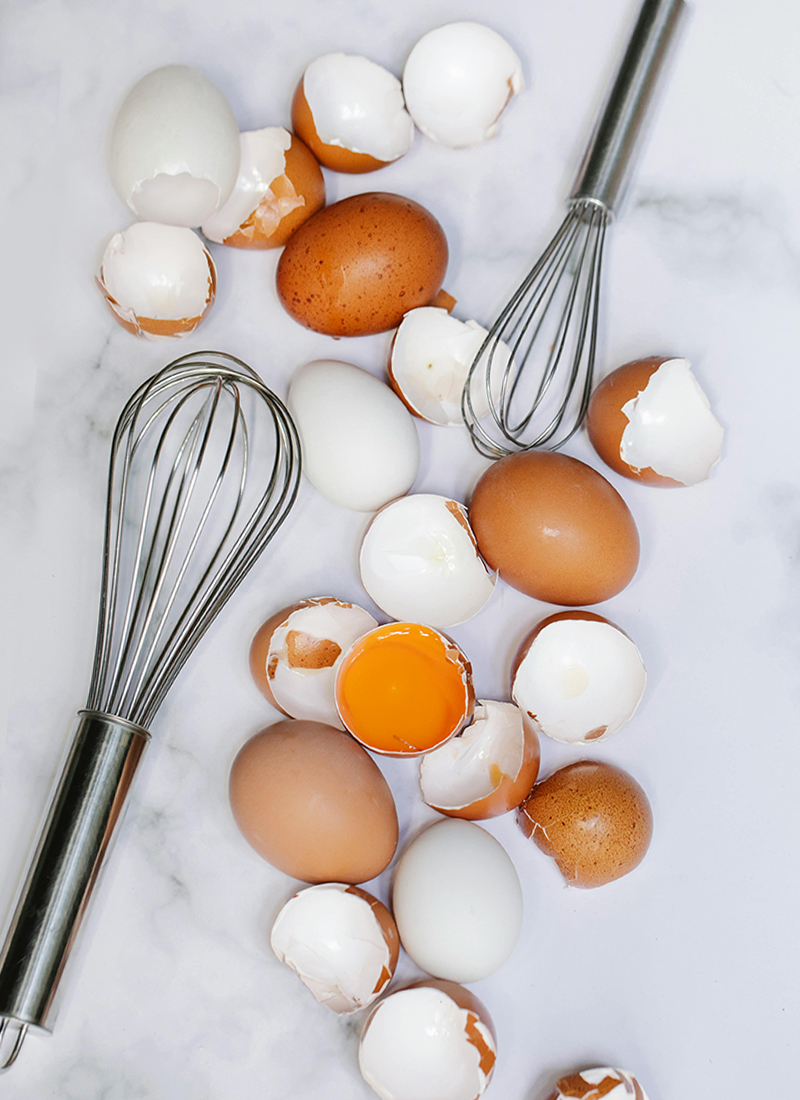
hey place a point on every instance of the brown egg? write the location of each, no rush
(358, 266)
(313, 803)
(593, 819)
(605, 420)
(554, 528)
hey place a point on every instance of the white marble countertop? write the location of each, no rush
(686, 972)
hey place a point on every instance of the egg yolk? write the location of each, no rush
(403, 689)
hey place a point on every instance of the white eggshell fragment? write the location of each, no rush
(158, 279)
(360, 445)
(579, 679)
(420, 563)
(332, 937)
(457, 901)
(431, 356)
(600, 1083)
(358, 105)
(457, 82)
(420, 1044)
(263, 159)
(671, 428)
(174, 148)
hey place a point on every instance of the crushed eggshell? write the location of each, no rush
(599, 1083)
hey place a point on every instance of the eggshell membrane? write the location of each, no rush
(358, 266)
(313, 803)
(593, 818)
(554, 528)
(389, 930)
(335, 157)
(599, 1083)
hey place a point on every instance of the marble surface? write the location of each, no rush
(685, 972)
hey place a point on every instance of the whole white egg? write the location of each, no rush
(457, 902)
(360, 445)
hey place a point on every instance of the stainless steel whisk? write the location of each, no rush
(205, 466)
(551, 319)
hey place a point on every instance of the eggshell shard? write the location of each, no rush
(295, 655)
(593, 819)
(649, 420)
(430, 1041)
(404, 689)
(360, 445)
(351, 113)
(457, 901)
(174, 147)
(279, 187)
(485, 770)
(554, 528)
(457, 82)
(600, 1083)
(419, 561)
(313, 803)
(341, 941)
(578, 677)
(358, 266)
(431, 356)
(159, 280)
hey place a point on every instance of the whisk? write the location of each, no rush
(546, 336)
(205, 466)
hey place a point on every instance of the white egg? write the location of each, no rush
(360, 445)
(457, 82)
(457, 902)
(174, 148)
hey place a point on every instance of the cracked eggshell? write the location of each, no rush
(429, 362)
(457, 82)
(419, 562)
(599, 1083)
(159, 280)
(279, 187)
(592, 818)
(578, 677)
(173, 153)
(341, 941)
(485, 770)
(649, 420)
(433, 1040)
(351, 113)
(295, 655)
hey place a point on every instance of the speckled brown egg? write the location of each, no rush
(593, 819)
(313, 803)
(358, 266)
(554, 528)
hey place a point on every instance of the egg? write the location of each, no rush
(593, 819)
(404, 689)
(457, 901)
(432, 1040)
(174, 151)
(360, 445)
(358, 266)
(279, 187)
(313, 803)
(649, 420)
(158, 280)
(554, 528)
(599, 1083)
(351, 113)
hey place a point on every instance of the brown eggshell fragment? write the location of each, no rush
(358, 266)
(554, 528)
(313, 803)
(336, 157)
(593, 819)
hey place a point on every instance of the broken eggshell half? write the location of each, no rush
(419, 561)
(341, 941)
(433, 1040)
(485, 770)
(578, 677)
(295, 655)
(599, 1083)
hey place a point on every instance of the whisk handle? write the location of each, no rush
(606, 161)
(85, 807)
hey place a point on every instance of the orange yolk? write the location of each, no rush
(403, 689)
